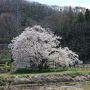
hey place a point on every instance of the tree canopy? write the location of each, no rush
(36, 47)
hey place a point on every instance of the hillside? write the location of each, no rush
(73, 24)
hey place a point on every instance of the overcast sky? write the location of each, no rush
(82, 3)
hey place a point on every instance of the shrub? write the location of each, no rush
(4, 69)
(33, 70)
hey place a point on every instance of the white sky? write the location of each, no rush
(82, 3)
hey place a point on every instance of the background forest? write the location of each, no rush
(72, 23)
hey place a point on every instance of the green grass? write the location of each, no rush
(36, 70)
(47, 71)
(22, 72)
(5, 57)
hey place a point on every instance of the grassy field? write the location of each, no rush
(25, 77)
(85, 69)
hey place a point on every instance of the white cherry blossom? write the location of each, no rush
(36, 47)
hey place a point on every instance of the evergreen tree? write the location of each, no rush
(87, 15)
(81, 17)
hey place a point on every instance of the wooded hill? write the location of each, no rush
(73, 24)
